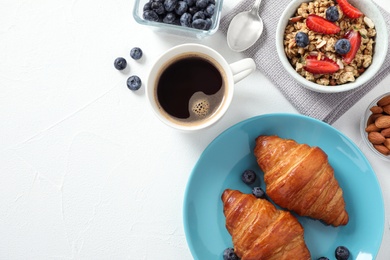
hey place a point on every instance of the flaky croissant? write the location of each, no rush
(260, 231)
(299, 178)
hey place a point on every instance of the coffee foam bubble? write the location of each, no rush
(202, 105)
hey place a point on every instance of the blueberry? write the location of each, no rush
(209, 23)
(185, 19)
(193, 9)
(202, 3)
(181, 7)
(158, 7)
(258, 192)
(190, 2)
(199, 15)
(341, 253)
(209, 10)
(332, 13)
(147, 6)
(134, 82)
(169, 18)
(302, 39)
(342, 46)
(169, 5)
(248, 176)
(200, 24)
(228, 254)
(323, 258)
(136, 53)
(120, 63)
(150, 15)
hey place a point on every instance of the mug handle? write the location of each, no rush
(242, 68)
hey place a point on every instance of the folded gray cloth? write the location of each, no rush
(325, 107)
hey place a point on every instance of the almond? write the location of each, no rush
(371, 119)
(384, 101)
(383, 122)
(385, 132)
(382, 149)
(386, 109)
(376, 109)
(387, 143)
(372, 128)
(295, 19)
(376, 138)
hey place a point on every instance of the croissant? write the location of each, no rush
(260, 231)
(299, 178)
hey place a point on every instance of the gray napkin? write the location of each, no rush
(325, 107)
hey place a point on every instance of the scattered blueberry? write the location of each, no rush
(258, 192)
(248, 176)
(120, 63)
(150, 15)
(228, 254)
(341, 253)
(136, 53)
(169, 18)
(169, 5)
(181, 8)
(185, 19)
(134, 82)
(302, 39)
(323, 258)
(342, 46)
(202, 3)
(332, 13)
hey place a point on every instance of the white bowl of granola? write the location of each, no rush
(308, 32)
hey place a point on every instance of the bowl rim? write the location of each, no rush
(378, 57)
(363, 123)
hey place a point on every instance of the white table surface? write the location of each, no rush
(87, 170)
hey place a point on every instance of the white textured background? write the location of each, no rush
(87, 171)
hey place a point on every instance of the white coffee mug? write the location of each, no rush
(204, 111)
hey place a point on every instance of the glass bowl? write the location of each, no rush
(364, 123)
(177, 29)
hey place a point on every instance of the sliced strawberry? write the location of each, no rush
(355, 39)
(318, 24)
(322, 66)
(349, 10)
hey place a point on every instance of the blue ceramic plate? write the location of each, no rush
(220, 167)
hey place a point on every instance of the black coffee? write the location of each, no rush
(191, 88)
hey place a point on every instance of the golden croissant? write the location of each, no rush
(299, 178)
(260, 231)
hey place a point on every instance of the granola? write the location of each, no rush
(322, 45)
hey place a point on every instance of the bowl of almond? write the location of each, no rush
(375, 126)
(331, 46)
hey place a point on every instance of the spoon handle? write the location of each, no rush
(256, 6)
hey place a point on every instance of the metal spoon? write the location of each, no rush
(245, 29)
